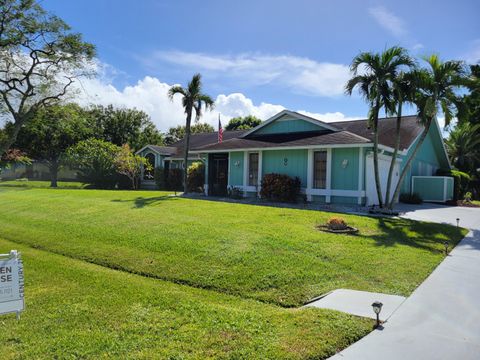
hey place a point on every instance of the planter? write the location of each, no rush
(348, 230)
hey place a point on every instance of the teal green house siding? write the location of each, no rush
(345, 177)
(430, 157)
(236, 168)
(433, 189)
(289, 162)
(288, 126)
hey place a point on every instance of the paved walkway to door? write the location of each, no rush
(441, 319)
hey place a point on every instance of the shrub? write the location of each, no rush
(336, 223)
(234, 192)
(160, 178)
(175, 179)
(95, 161)
(279, 187)
(196, 177)
(467, 197)
(414, 198)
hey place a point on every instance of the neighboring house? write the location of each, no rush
(37, 170)
(334, 161)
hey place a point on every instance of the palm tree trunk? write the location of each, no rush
(378, 184)
(388, 201)
(187, 147)
(409, 161)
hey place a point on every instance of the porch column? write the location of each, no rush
(260, 169)
(245, 173)
(329, 175)
(205, 187)
(360, 175)
(309, 174)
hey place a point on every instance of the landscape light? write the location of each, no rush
(377, 308)
(458, 221)
(446, 247)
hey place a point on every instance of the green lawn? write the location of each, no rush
(270, 254)
(76, 310)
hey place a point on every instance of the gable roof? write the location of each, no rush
(161, 150)
(294, 115)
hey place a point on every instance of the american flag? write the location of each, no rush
(220, 130)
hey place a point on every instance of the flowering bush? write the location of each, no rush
(279, 187)
(336, 223)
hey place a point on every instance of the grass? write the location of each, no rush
(79, 310)
(274, 255)
(42, 184)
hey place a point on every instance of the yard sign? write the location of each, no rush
(11, 283)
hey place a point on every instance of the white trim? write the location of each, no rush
(260, 170)
(360, 173)
(330, 192)
(310, 165)
(148, 147)
(329, 175)
(315, 147)
(245, 172)
(432, 176)
(228, 171)
(294, 115)
(181, 158)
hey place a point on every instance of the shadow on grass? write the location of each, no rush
(430, 236)
(141, 202)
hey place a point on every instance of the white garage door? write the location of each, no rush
(383, 167)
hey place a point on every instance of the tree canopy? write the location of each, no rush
(122, 126)
(177, 133)
(243, 123)
(40, 57)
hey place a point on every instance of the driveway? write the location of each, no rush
(441, 319)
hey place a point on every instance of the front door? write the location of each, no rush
(218, 174)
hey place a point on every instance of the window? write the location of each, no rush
(319, 169)
(253, 169)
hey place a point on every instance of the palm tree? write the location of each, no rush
(373, 74)
(463, 147)
(403, 92)
(193, 100)
(436, 87)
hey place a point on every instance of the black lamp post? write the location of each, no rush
(446, 248)
(377, 308)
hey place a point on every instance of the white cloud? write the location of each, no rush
(388, 21)
(150, 95)
(301, 75)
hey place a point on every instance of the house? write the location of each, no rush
(334, 161)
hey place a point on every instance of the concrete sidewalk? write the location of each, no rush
(441, 319)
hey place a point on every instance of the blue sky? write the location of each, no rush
(256, 56)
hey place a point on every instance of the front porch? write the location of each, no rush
(333, 175)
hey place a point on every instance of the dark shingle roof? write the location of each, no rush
(350, 132)
(288, 140)
(409, 131)
(163, 150)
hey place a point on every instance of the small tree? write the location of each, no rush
(130, 165)
(13, 156)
